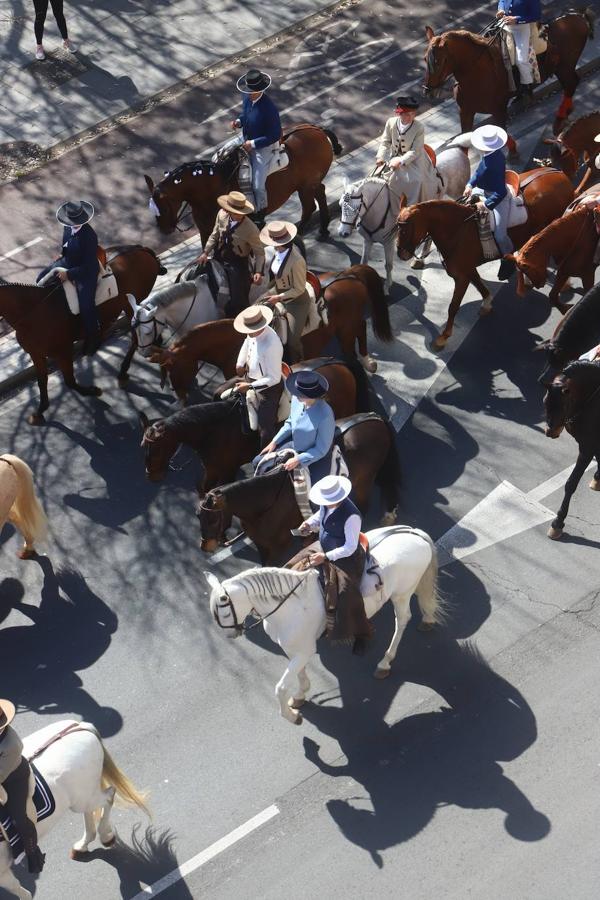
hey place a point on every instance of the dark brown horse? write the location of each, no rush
(214, 431)
(45, 328)
(348, 297)
(197, 184)
(571, 242)
(576, 333)
(266, 505)
(576, 145)
(453, 229)
(481, 77)
(573, 402)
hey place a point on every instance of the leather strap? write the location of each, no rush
(534, 176)
(76, 726)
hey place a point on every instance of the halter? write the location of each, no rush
(225, 602)
(155, 332)
(358, 220)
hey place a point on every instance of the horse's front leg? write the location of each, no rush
(389, 249)
(556, 528)
(366, 252)
(402, 615)
(460, 286)
(288, 685)
(9, 882)
(124, 370)
(41, 373)
(595, 482)
(561, 280)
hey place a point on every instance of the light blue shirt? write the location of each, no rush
(309, 430)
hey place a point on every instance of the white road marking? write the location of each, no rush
(220, 555)
(555, 483)
(153, 890)
(22, 247)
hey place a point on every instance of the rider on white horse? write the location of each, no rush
(14, 786)
(403, 141)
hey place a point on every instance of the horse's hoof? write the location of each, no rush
(95, 391)
(380, 674)
(425, 626)
(369, 365)
(26, 553)
(439, 343)
(110, 842)
(123, 381)
(36, 419)
(298, 720)
(322, 236)
(417, 263)
(296, 702)
(594, 485)
(485, 310)
(563, 308)
(555, 534)
(78, 855)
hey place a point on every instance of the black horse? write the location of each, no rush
(573, 402)
(577, 331)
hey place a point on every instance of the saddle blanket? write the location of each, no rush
(106, 287)
(44, 804)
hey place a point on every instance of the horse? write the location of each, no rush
(291, 606)
(574, 145)
(19, 504)
(577, 332)
(197, 184)
(45, 328)
(214, 430)
(83, 778)
(347, 294)
(573, 402)
(266, 504)
(482, 84)
(371, 206)
(454, 230)
(571, 242)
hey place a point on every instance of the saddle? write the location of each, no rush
(278, 161)
(538, 46)
(45, 805)
(317, 311)
(106, 285)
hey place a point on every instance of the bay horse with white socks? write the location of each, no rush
(291, 606)
(19, 504)
(82, 778)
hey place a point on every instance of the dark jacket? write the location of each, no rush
(80, 257)
(490, 177)
(525, 10)
(331, 532)
(260, 121)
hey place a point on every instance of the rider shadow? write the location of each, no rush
(447, 757)
(72, 628)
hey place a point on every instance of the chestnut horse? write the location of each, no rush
(348, 298)
(197, 184)
(482, 80)
(45, 328)
(576, 333)
(266, 505)
(575, 145)
(454, 230)
(571, 242)
(573, 402)
(214, 431)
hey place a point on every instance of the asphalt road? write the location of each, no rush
(470, 772)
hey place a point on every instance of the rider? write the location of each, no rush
(287, 277)
(14, 786)
(403, 139)
(261, 128)
(233, 239)
(80, 259)
(490, 180)
(338, 522)
(517, 17)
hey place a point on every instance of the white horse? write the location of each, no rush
(372, 207)
(292, 606)
(83, 778)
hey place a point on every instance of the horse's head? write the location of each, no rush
(148, 329)
(555, 404)
(350, 206)
(222, 608)
(556, 359)
(438, 67)
(212, 515)
(562, 156)
(409, 231)
(166, 201)
(528, 274)
(158, 447)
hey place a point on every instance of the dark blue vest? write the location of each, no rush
(331, 532)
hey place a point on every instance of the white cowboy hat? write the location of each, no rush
(235, 202)
(277, 234)
(7, 714)
(488, 138)
(75, 213)
(597, 138)
(253, 319)
(330, 490)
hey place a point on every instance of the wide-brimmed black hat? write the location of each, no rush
(407, 103)
(253, 81)
(75, 212)
(307, 384)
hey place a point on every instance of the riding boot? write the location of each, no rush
(507, 268)
(35, 857)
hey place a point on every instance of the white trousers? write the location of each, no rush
(501, 215)
(522, 38)
(260, 160)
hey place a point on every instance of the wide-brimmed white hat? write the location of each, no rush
(597, 138)
(488, 138)
(329, 490)
(253, 319)
(278, 234)
(7, 713)
(235, 202)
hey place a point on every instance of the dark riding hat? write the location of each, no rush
(72, 213)
(7, 714)
(406, 104)
(253, 81)
(307, 384)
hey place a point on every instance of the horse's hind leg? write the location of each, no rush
(65, 364)
(324, 217)
(402, 615)
(105, 832)
(307, 199)
(9, 882)
(486, 295)
(460, 287)
(368, 364)
(89, 834)
(287, 686)
(556, 528)
(300, 696)
(41, 372)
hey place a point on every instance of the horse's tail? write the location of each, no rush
(388, 478)
(430, 601)
(26, 512)
(113, 777)
(589, 14)
(337, 147)
(379, 307)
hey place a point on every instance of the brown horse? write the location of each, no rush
(453, 229)
(214, 431)
(266, 505)
(482, 80)
(571, 242)
(45, 328)
(575, 145)
(348, 298)
(197, 184)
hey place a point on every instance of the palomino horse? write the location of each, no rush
(372, 207)
(571, 242)
(576, 333)
(573, 402)
(45, 328)
(197, 184)
(214, 430)
(266, 505)
(19, 504)
(408, 565)
(348, 296)
(575, 145)
(482, 80)
(454, 231)
(82, 778)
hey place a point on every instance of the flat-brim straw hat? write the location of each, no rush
(7, 713)
(75, 213)
(253, 319)
(488, 138)
(329, 490)
(235, 202)
(277, 234)
(253, 81)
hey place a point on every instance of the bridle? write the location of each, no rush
(346, 199)
(156, 334)
(183, 210)
(225, 602)
(493, 30)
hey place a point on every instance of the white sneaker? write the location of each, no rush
(39, 52)
(69, 45)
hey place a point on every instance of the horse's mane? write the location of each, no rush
(247, 485)
(267, 581)
(167, 295)
(5, 283)
(583, 371)
(201, 414)
(554, 226)
(225, 168)
(473, 38)
(583, 320)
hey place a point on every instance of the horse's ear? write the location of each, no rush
(132, 302)
(149, 183)
(429, 32)
(510, 257)
(543, 345)
(213, 582)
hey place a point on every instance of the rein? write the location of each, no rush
(570, 419)
(244, 628)
(175, 331)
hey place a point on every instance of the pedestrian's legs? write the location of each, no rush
(297, 313)
(268, 405)
(521, 35)
(41, 8)
(57, 9)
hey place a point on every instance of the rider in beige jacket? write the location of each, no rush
(402, 145)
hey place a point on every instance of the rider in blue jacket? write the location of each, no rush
(261, 128)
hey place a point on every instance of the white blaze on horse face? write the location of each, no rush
(153, 207)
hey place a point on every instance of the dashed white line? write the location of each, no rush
(22, 247)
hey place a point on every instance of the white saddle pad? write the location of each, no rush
(517, 214)
(106, 287)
